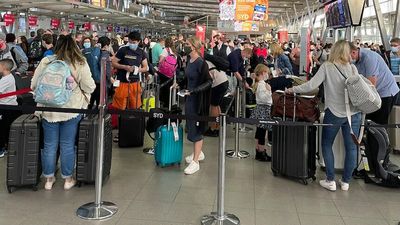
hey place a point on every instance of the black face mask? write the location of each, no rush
(187, 49)
(125, 42)
(216, 43)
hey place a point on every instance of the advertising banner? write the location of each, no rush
(33, 21)
(227, 9)
(245, 9)
(71, 25)
(100, 3)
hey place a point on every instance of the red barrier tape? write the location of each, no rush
(19, 92)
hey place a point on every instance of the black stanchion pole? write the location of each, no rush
(220, 217)
(99, 210)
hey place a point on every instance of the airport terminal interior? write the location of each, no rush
(255, 189)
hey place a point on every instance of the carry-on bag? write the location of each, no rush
(23, 160)
(131, 128)
(149, 99)
(86, 159)
(169, 141)
(294, 148)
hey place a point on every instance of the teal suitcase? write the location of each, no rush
(168, 146)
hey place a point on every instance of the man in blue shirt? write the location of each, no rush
(371, 65)
(236, 62)
(395, 55)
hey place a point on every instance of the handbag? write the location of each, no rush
(306, 106)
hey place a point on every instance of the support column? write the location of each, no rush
(396, 29)
(381, 25)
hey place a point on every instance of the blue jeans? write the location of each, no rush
(328, 137)
(61, 134)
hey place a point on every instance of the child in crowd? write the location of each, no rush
(262, 110)
(7, 84)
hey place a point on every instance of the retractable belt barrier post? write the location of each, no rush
(236, 153)
(99, 210)
(220, 217)
(243, 128)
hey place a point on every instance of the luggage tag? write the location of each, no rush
(175, 129)
(365, 160)
(116, 83)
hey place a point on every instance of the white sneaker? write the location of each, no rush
(345, 186)
(192, 168)
(330, 185)
(49, 183)
(189, 158)
(69, 183)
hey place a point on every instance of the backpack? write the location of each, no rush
(169, 65)
(361, 93)
(35, 50)
(52, 89)
(220, 63)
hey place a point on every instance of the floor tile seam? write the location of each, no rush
(144, 185)
(379, 211)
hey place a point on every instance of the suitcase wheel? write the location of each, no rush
(35, 188)
(305, 182)
(10, 189)
(314, 178)
(79, 184)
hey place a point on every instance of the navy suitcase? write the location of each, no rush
(87, 149)
(23, 160)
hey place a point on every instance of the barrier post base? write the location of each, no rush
(213, 219)
(241, 154)
(92, 211)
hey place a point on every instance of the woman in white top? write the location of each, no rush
(262, 110)
(165, 81)
(335, 112)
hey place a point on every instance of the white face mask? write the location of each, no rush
(394, 49)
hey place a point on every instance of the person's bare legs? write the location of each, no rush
(197, 150)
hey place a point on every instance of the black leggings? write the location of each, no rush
(164, 91)
(260, 135)
(95, 97)
(6, 119)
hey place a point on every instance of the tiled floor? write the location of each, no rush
(148, 195)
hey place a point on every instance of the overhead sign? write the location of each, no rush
(356, 11)
(247, 26)
(227, 9)
(9, 19)
(87, 26)
(245, 9)
(100, 3)
(201, 34)
(32, 21)
(55, 23)
(71, 25)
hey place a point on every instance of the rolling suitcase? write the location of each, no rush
(87, 149)
(394, 133)
(23, 160)
(294, 150)
(169, 142)
(131, 129)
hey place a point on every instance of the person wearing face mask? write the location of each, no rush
(93, 58)
(220, 49)
(125, 41)
(395, 55)
(197, 83)
(371, 65)
(129, 61)
(105, 43)
(5, 50)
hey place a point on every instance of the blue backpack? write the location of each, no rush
(52, 87)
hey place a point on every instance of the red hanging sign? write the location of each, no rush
(55, 23)
(9, 19)
(201, 34)
(71, 25)
(86, 26)
(33, 21)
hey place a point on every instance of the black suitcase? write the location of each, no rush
(23, 160)
(131, 130)
(87, 149)
(294, 151)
